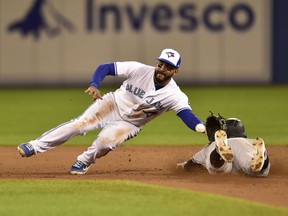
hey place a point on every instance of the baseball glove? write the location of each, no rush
(214, 123)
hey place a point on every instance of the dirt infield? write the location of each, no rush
(153, 165)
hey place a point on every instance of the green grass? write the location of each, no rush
(63, 197)
(27, 113)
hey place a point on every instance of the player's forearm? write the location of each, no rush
(192, 121)
(101, 72)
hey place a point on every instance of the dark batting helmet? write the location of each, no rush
(235, 128)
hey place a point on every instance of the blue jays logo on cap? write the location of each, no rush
(171, 57)
(170, 54)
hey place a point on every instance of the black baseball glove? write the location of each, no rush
(214, 123)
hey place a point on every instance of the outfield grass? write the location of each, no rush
(66, 198)
(27, 113)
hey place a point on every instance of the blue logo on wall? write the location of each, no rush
(34, 22)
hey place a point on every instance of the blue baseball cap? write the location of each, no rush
(171, 57)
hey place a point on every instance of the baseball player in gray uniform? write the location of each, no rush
(147, 92)
(230, 151)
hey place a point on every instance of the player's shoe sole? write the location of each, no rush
(222, 146)
(78, 172)
(258, 159)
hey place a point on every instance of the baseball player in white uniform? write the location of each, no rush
(230, 151)
(146, 93)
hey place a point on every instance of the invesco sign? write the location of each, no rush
(163, 17)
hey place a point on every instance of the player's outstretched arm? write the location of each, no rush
(192, 121)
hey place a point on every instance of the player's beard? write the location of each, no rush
(161, 78)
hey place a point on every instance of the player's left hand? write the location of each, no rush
(94, 92)
(213, 124)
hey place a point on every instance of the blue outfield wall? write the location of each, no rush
(280, 41)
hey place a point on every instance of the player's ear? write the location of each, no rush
(176, 71)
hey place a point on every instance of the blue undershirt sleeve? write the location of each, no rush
(101, 72)
(189, 118)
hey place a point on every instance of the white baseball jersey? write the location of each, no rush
(120, 114)
(137, 99)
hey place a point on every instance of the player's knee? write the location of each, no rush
(83, 125)
(107, 141)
